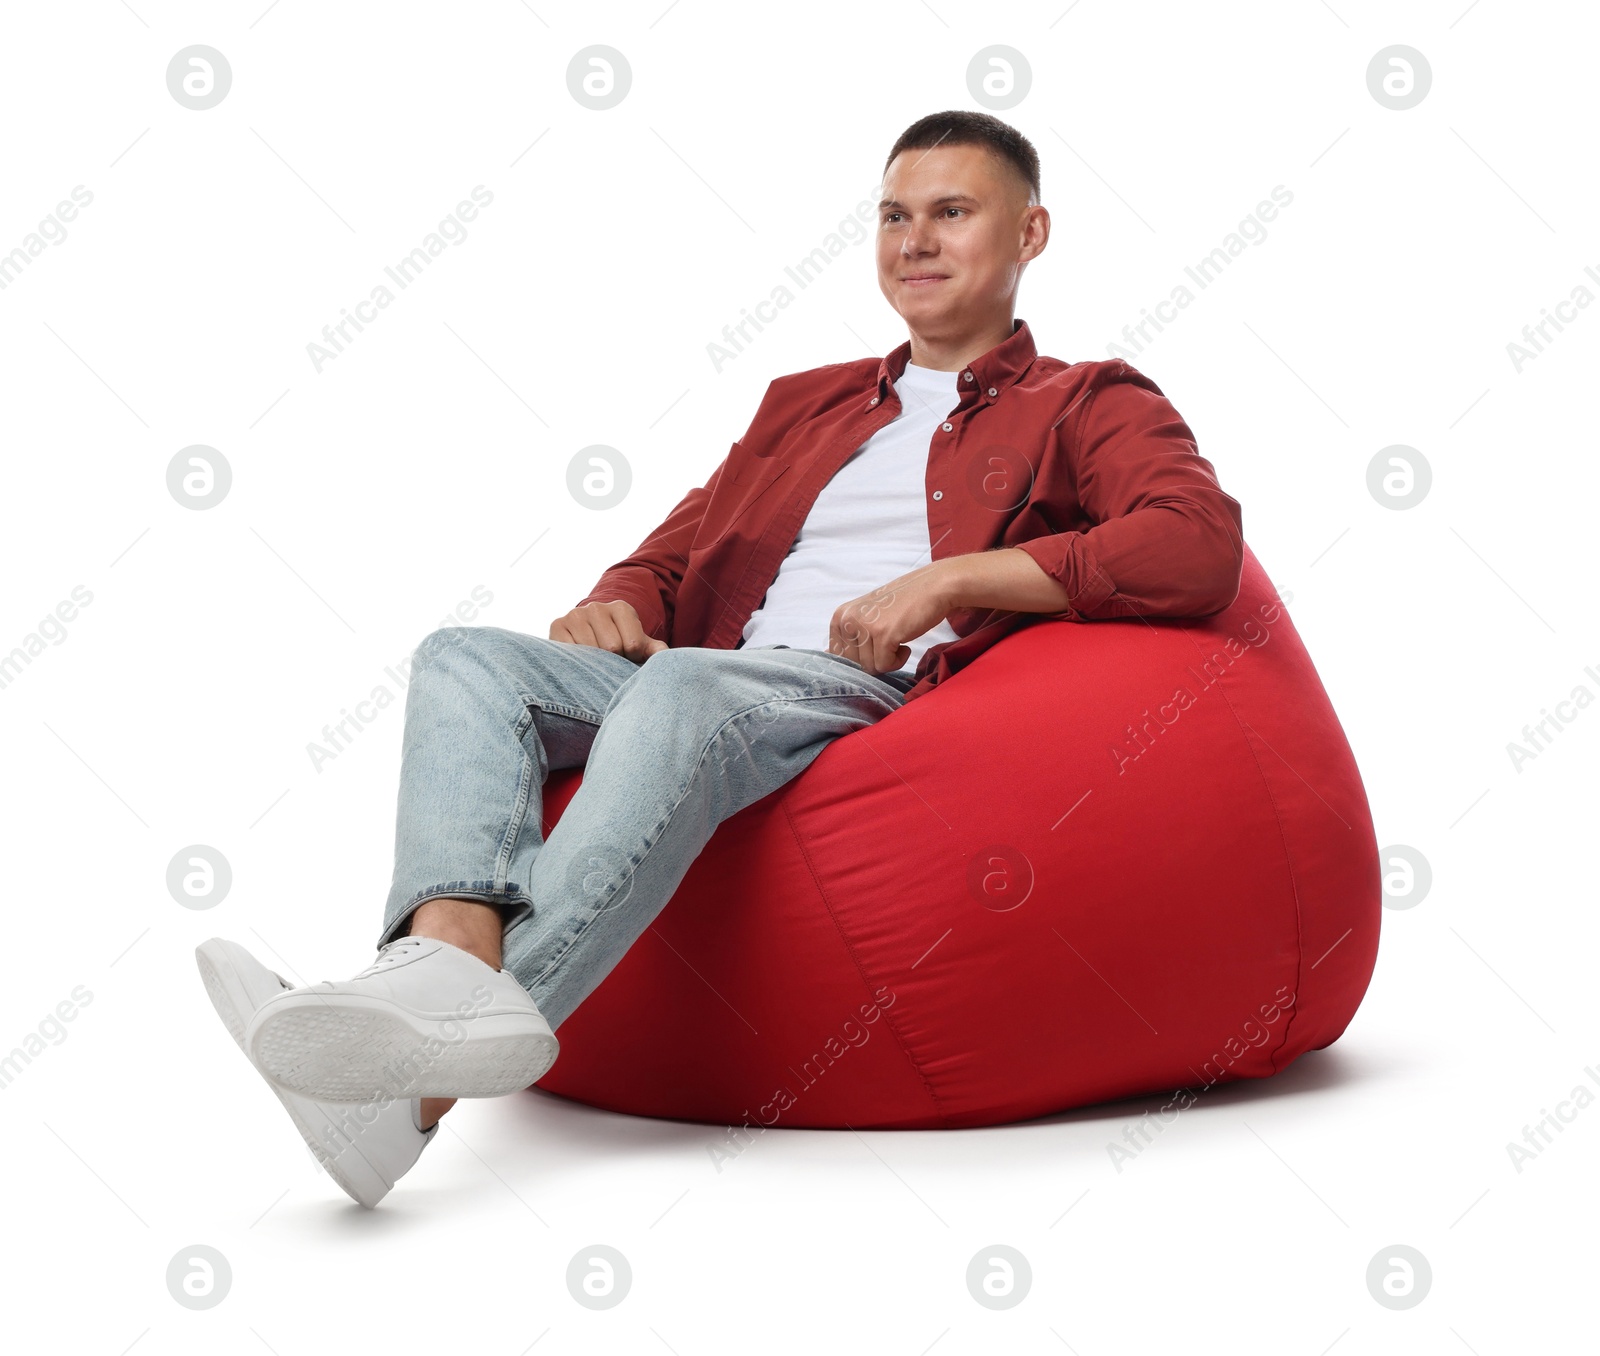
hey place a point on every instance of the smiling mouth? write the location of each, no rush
(924, 280)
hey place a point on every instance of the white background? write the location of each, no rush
(431, 457)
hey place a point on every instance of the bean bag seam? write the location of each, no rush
(1288, 858)
(888, 1013)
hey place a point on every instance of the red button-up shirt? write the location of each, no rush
(1085, 466)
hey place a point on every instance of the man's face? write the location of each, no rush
(953, 235)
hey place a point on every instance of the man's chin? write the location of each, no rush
(924, 310)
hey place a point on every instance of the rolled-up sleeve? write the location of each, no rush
(650, 575)
(1164, 540)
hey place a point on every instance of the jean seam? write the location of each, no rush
(561, 709)
(502, 895)
(458, 890)
(519, 810)
(881, 677)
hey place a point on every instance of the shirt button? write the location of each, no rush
(993, 392)
(938, 494)
(967, 375)
(873, 401)
(948, 427)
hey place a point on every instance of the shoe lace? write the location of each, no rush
(392, 953)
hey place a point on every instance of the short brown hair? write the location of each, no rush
(958, 127)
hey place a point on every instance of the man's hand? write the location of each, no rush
(872, 629)
(613, 626)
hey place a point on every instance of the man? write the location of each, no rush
(880, 525)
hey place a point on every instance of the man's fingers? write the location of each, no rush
(850, 638)
(613, 625)
(631, 637)
(577, 628)
(855, 642)
(839, 641)
(607, 633)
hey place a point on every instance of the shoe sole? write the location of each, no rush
(231, 996)
(367, 1047)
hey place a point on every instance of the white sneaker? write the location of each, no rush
(425, 1019)
(365, 1149)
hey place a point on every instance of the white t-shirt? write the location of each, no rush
(868, 525)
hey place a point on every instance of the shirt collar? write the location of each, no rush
(991, 371)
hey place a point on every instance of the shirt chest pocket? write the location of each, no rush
(736, 502)
(754, 470)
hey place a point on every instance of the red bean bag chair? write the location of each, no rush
(1105, 859)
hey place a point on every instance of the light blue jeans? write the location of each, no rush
(670, 748)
